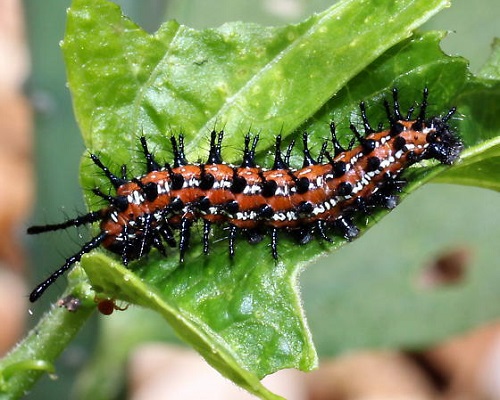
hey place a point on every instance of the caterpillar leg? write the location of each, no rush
(86, 248)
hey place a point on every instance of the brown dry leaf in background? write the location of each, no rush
(470, 364)
(387, 375)
(160, 371)
(16, 168)
(16, 126)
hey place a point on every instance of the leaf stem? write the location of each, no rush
(37, 352)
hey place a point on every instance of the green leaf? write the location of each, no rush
(243, 315)
(191, 324)
(434, 222)
(480, 127)
(491, 69)
(480, 124)
(125, 81)
(380, 291)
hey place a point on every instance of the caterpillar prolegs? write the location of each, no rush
(159, 208)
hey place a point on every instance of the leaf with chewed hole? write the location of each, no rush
(216, 344)
(243, 315)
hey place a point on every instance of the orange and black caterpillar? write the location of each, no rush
(322, 195)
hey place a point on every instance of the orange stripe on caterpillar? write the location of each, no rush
(324, 194)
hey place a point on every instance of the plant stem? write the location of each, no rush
(37, 352)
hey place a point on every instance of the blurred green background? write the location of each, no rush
(353, 281)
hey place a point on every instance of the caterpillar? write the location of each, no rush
(160, 207)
